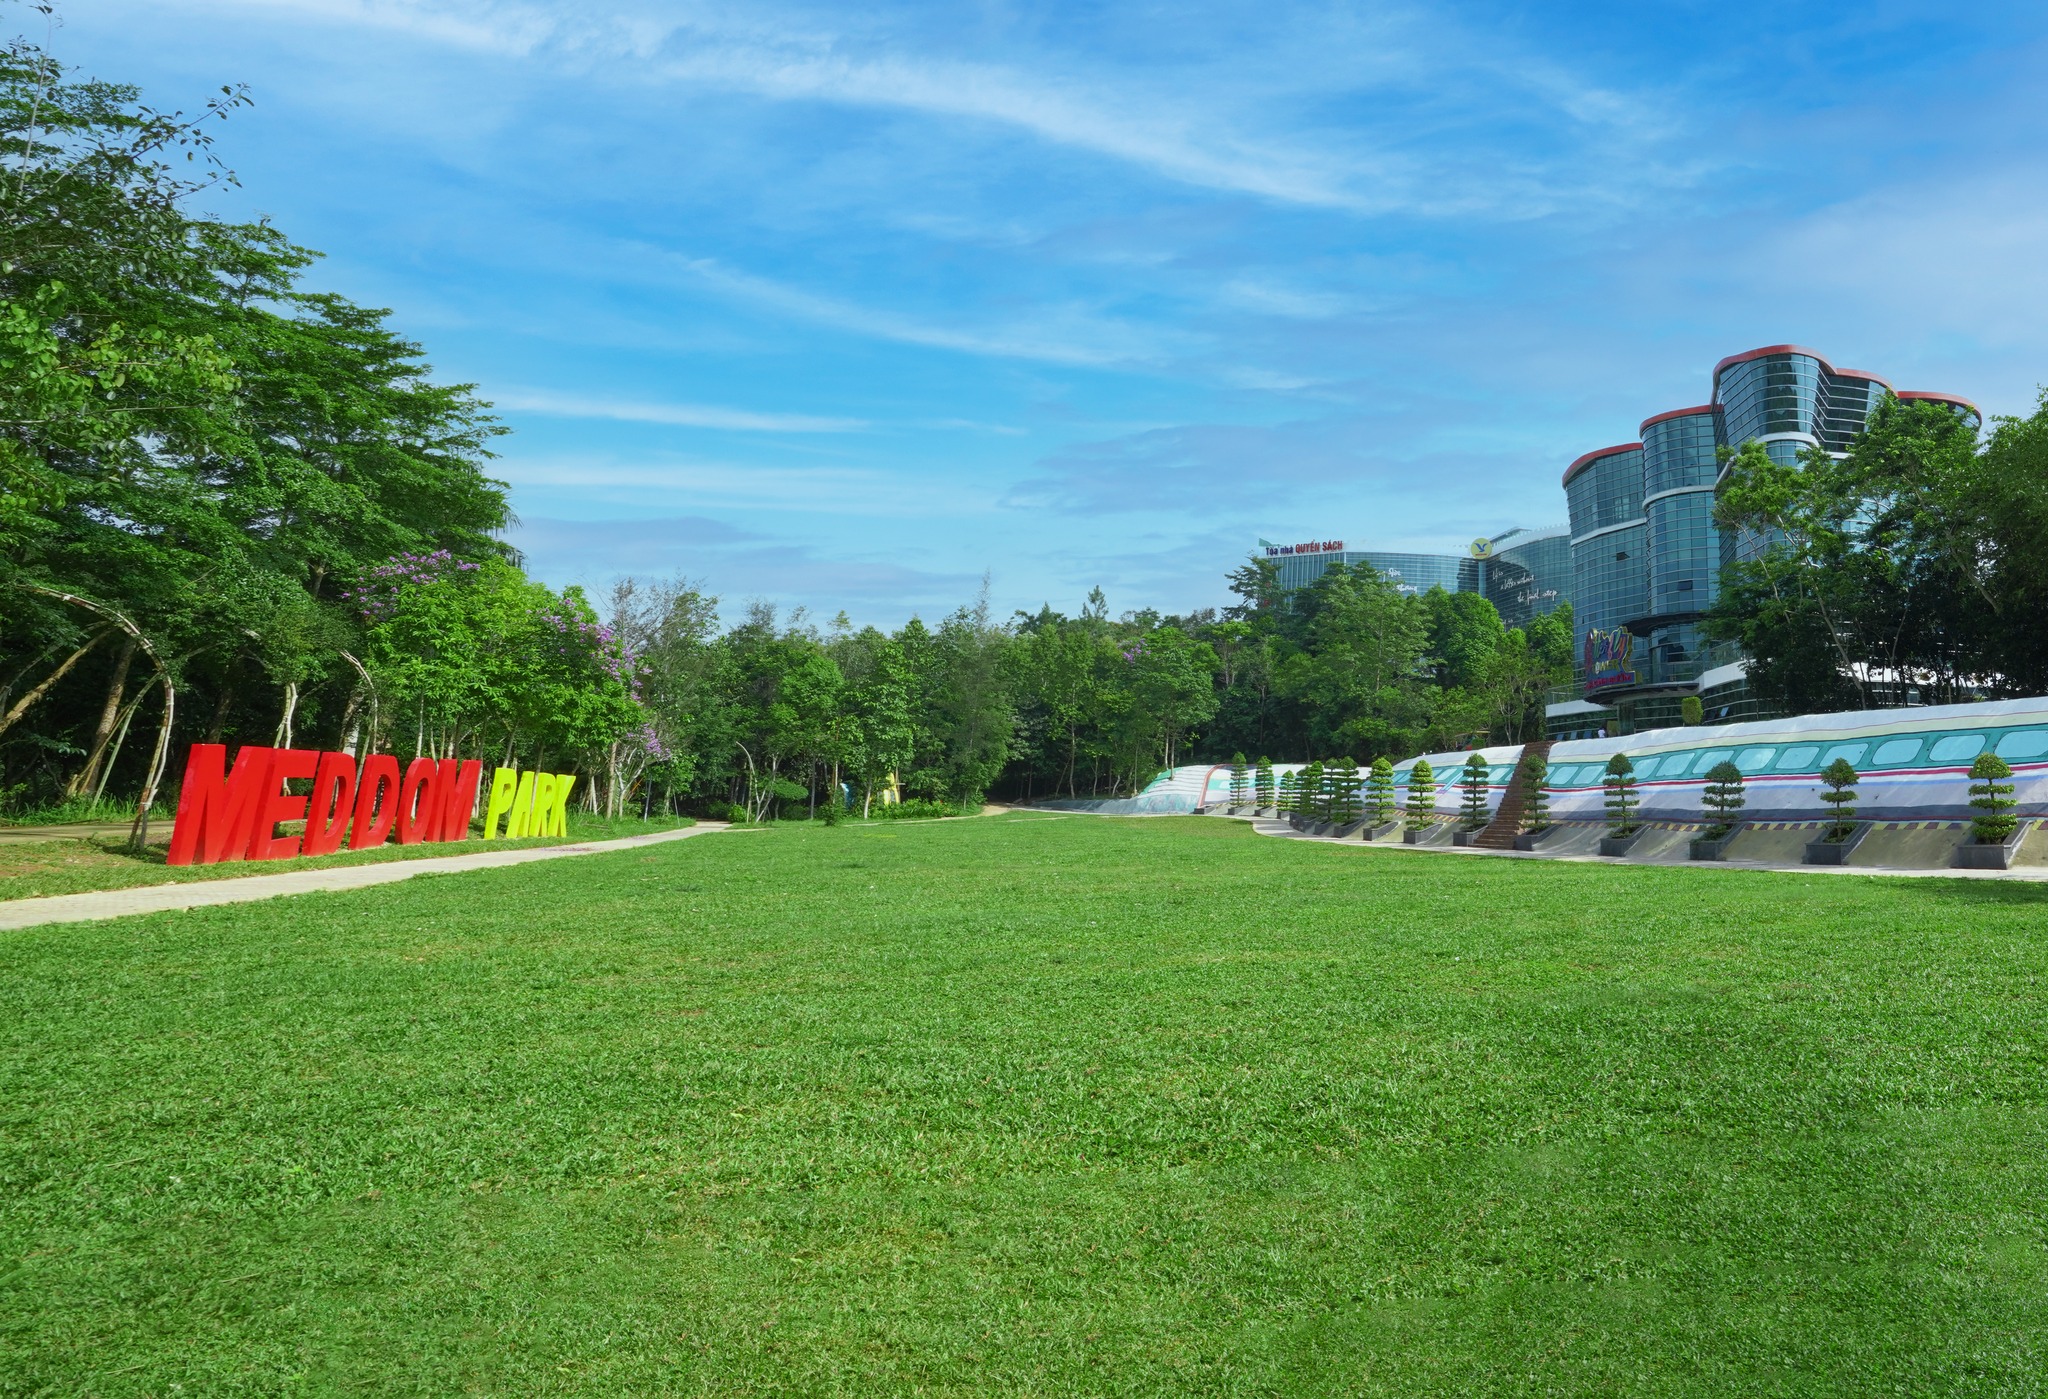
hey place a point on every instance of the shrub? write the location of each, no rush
(1991, 795)
(1344, 791)
(916, 809)
(1262, 782)
(1840, 779)
(1239, 782)
(1475, 813)
(1690, 712)
(1421, 794)
(1723, 798)
(1283, 798)
(1379, 791)
(1620, 783)
(1536, 797)
(735, 813)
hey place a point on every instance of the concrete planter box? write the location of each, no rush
(1703, 848)
(1835, 852)
(1620, 845)
(1381, 831)
(1463, 837)
(1972, 856)
(1271, 813)
(1533, 840)
(1416, 835)
(1320, 828)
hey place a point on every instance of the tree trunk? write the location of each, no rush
(284, 722)
(22, 705)
(120, 737)
(103, 732)
(220, 714)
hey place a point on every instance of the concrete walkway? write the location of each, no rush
(2026, 874)
(156, 898)
(159, 831)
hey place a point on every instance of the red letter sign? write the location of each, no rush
(215, 811)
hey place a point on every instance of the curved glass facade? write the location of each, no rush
(1610, 574)
(1411, 573)
(1530, 573)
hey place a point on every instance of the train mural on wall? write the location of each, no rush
(1913, 765)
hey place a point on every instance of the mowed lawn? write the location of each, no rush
(1034, 1105)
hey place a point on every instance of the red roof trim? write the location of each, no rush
(1863, 374)
(1761, 352)
(1675, 413)
(1910, 394)
(1591, 457)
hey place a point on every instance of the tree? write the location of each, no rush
(1344, 791)
(1536, 790)
(1690, 712)
(1421, 794)
(1308, 793)
(1288, 791)
(1262, 782)
(1840, 779)
(1238, 784)
(1723, 797)
(1475, 782)
(1620, 783)
(1991, 796)
(1379, 791)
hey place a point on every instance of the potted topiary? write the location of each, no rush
(1535, 779)
(1283, 796)
(1722, 800)
(1473, 813)
(1421, 802)
(1308, 795)
(1262, 787)
(1623, 830)
(1995, 831)
(1344, 796)
(1379, 799)
(1844, 832)
(1240, 782)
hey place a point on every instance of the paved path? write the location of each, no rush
(159, 831)
(155, 898)
(1265, 826)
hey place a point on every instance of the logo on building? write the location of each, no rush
(1610, 658)
(1482, 548)
(1326, 546)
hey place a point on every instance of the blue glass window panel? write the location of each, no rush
(2023, 744)
(1712, 756)
(1850, 753)
(1754, 759)
(1799, 758)
(1956, 748)
(1895, 752)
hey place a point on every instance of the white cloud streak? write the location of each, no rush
(562, 405)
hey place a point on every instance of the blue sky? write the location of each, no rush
(849, 305)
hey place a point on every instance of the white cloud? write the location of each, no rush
(671, 414)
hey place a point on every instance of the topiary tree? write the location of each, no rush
(1421, 794)
(1620, 783)
(1723, 798)
(1239, 779)
(1535, 793)
(1690, 712)
(1344, 791)
(1475, 813)
(1840, 779)
(1262, 782)
(1308, 792)
(1284, 796)
(1379, 791)
(1991, 795)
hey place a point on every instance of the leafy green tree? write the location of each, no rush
(1536, 792)
(1308, 793)
(1690, 711)
(1379, 791)
(1287, 792)
(1239, 779)
(1991, 796)
(1620, 783)
(1723, 797)
(1344, 791)
(1840, 779)
(1262, 782)
(1421, 794)
(1474, 783)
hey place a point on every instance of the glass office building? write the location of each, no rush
(1646, 553)
(1412, 573)
(1528, 573)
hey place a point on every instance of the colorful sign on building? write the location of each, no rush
(1610, 658)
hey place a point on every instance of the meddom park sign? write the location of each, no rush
(233, 814)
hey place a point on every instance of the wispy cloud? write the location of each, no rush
(562, 405)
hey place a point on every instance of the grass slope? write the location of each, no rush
(1034, 1105)
(30, 869)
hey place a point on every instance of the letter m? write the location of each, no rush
(216, 808)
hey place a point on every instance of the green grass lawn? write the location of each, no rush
(31, 869)
(1034, 1105)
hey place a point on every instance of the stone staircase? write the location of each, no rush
(1500, 833)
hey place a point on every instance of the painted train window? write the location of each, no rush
(1798, 758)
(1894, 752)
(1754, 759)
(1850, 753)
(1956, 748)
(1712, 758)
(2023, 744)
(1646, 767)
